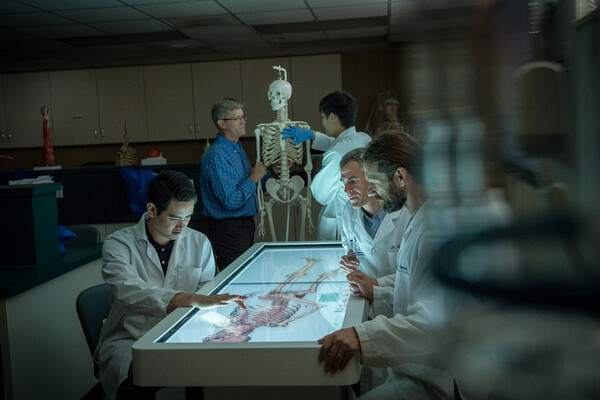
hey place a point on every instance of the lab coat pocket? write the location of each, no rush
(188, 279)
(392, 254)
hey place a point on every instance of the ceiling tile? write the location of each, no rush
(295, 37)
(139, 2)
(12, 7)
(32, 19)
(182, 9)
(211, 35)
(247, 6)
(341, 3)
(360, 11)
(65, 31)
(203, 21)
(128, 27)
(109, 14)
(404, 6)
(276, 17)
(71, 4)
(175, 44)
(356, 33)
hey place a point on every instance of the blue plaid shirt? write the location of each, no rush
(372, 224)
(225, 186)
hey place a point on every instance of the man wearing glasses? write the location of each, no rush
(228, 185)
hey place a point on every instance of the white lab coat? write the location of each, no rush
(326, 186)
(401, 336)
(140, 292)
(377, 255)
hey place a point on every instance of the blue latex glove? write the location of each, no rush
(298, 134)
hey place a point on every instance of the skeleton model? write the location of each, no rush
(126, 155)
(276, 151)
(277, 308)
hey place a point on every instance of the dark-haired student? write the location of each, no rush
(152, 268)
(338, 114)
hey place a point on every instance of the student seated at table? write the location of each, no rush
(371, 236)
(152, 268)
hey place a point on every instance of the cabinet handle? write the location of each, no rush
(95, 133)
(191, 129)
(198, 129)
(2, 138)
(9, 138)
(102, 133)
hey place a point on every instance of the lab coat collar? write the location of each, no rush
(344, 134)
(419, 218)
(140, 234)
(387, 224)
(140, 231)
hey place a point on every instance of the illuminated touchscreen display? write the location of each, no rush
(295, 294)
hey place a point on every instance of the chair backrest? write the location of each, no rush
(83, 234)
(93, 306)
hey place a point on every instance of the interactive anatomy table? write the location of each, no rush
(297, 294)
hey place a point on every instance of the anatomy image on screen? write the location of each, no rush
(293, 295)
(278, 308)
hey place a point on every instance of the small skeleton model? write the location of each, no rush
(126, 155)
(276, 151)
(277, 308)
(48, 154)
(385, 115)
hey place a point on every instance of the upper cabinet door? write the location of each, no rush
(121, 101)
(312, 78)
(213, 81)
(25, 94)
(257, 75)
(3, 133)
(75, 107)
(169, 102)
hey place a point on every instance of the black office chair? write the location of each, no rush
(83, 234)
(93, 306)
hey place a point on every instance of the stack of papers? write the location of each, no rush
(33, 181)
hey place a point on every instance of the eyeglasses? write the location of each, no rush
(238, 119)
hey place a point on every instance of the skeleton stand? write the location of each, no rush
(276, 151)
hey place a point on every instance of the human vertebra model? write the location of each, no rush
(48, 154)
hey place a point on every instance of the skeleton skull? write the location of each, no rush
(279, 93)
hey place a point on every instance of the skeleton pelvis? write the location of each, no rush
(287, 193)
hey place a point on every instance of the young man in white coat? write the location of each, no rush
(370, 236)
(152, 268)
(338, 114)
(402, 335)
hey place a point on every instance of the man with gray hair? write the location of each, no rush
(370, 236)
(228, 185)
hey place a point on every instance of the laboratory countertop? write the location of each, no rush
(15, 279)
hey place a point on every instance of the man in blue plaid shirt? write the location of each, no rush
(228, 185)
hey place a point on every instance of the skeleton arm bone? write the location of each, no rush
(261, 201)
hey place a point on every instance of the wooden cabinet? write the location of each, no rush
(3, 133)
(25, 94)
(121, 100)
(213, 81)
(159, 102)
(75, 107)
(312, 78)
(169, 102)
